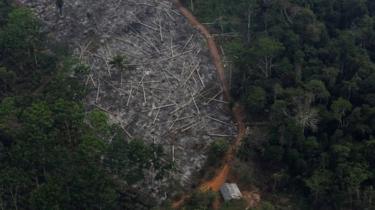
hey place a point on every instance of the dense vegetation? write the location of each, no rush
(307, 69)
(54, 154)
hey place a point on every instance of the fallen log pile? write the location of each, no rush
(167, 91)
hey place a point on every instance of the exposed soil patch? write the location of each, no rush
(252, 198)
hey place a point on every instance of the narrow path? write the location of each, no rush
(238, 114)
(215, 55)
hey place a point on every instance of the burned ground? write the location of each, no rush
(167, 93)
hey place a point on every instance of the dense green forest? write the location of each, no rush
(307, 69)
(54, 153)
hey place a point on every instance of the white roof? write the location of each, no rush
(230, 191)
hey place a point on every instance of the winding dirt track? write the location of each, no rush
(238, 114)
(215, 55)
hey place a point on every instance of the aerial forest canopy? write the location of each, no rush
(307, 69)
(304, 70)
(54, 153)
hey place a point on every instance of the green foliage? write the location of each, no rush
(200, 200)
(21, 31)
(306, 67)
(234, 205)
(319, 89)
(266, 206)
(267, 47)
(274, 153)
(259, 58)
(7, 79)
(119, 61)
(340, 107)
(219, 147)
(53, 152)
(319, 183)
(128, 160)
(217, 150)
(99, 120)
(256, 99)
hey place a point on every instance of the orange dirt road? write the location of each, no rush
(215, 55)
(238, 114)
(221, 175)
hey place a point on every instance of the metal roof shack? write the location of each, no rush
(230, 191)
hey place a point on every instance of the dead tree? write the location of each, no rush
(59, 6)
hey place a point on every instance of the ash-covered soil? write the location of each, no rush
(168, 92)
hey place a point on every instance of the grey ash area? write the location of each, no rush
(168, 95)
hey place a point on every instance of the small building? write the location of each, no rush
(230, 191)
